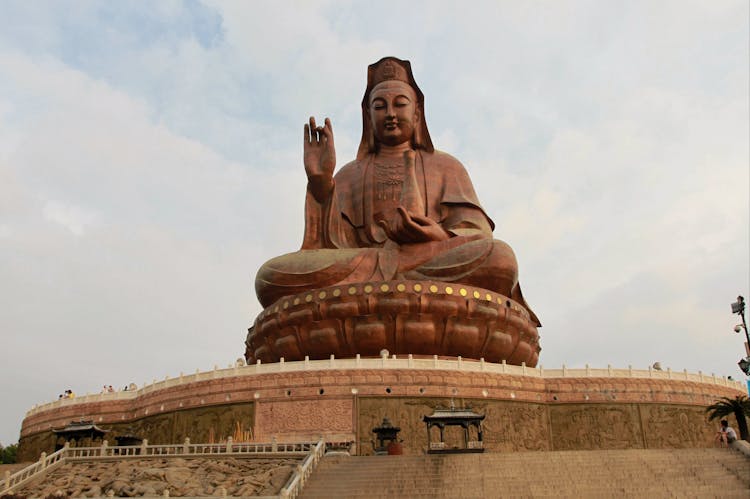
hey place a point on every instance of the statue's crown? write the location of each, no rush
(389, 69)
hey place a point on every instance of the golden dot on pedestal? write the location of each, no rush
(276, 308)
(286, 305)
(352, 290)
(448, 290)
(417, 288)
(401, 287)
(368, 288)
(476, 294)
(336, 292)
(296, 301)
(433, 289)
(308, 298)
(488, 297)
(321, 295)
(463, 292)
(384, 288)
(499, 301)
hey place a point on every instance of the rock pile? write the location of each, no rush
(152, 477)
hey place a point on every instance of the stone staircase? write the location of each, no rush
(608, 473)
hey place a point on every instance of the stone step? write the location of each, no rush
(626, 473)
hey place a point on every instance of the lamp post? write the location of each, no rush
(738, 308)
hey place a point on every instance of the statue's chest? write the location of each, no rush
(388, 180)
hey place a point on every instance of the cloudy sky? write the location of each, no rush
(151, 161)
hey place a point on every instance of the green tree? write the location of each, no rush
(739, 406)
(8, 454)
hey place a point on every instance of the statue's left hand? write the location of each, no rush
(413, 228)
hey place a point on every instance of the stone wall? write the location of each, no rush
(526, 409)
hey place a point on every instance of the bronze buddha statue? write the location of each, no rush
(401, 211)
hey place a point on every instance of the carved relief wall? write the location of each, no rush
(677, 426)
(199, 424)
(304, 417)
(508, 426)
(595, 426)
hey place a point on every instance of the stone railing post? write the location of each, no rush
(230, 441)
(7, 479)
(274, 444)
(523, 368)
(103, 450)
(43, 460)
(564, 370)
(186, 446)
(165, 493)
(144, 446)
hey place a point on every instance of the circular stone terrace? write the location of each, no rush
(343, 399)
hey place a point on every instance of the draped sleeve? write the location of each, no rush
(327, 222)
(452, 201)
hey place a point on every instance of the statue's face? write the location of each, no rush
(394, 113)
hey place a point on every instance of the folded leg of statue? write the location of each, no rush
(311, 269)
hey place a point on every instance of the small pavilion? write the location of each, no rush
(463, 417)
(79, 431)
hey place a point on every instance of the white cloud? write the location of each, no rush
(73, 218)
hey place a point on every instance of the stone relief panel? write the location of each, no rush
(507, 425)
(215, 424)
(515, 426)
(304, 416)
(589, 426)
(30, 448)
(671, 427)
(158, 429)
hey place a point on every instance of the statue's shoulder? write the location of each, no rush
(349, 171)
(442, 160)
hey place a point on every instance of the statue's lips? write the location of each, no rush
(391, 126)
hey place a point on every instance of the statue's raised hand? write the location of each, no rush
(319, 157)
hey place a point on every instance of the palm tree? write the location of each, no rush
(739, 406)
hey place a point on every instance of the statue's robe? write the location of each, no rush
(344, 243)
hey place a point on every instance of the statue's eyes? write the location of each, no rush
(378, 105)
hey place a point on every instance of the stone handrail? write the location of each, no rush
(294, 485)
(393, 362)
(186, 449)
(45, 464)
